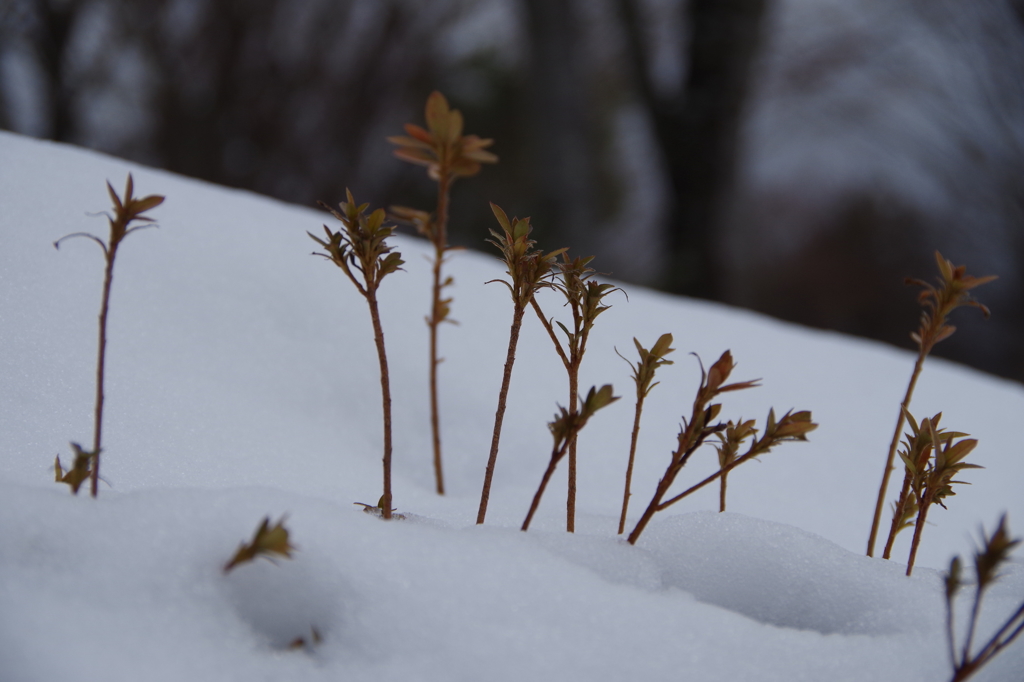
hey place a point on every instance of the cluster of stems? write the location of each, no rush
(565, 427)
(730, 440)
(931, 460)
(993, 553)
(701, 425)
(448, 154)
(361, 251)
(937, 302)
(125, 212)
(529, 270)
(585, 301)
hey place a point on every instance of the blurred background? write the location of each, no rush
(795, 157)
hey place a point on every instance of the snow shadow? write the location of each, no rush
(285, 601)
(784, 576)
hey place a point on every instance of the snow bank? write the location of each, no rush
(241, 382)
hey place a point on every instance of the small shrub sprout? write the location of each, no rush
(125, 212)
(794, 426)
(529, 270)
(565, 427)
(952, 292)
(988, 559)
(361, 251)
(643, 376)
(585, 299)
(447, 154)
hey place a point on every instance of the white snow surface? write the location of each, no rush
(242, 381)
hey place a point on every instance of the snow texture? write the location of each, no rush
(242, 382)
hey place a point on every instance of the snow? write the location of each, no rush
(242, 382)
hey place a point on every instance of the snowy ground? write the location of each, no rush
(242, 382)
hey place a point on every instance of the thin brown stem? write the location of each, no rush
(922, 515)
(950, 630)
(97, 437)
(499, 415)
(440, 239)
(551, 332)
(570, 502)
(721, 492)
(652, 508)
(385, 390)
(975, 610)
(880, 503)
(632, 455)
(1000, 639)
(680, 457)
(710, 479)
(897, 516)
(555, 456)
(435, 420)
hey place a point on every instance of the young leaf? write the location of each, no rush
(268, 542)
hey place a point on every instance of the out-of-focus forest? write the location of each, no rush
(797, 157)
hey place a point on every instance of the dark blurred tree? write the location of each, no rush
(697, 125)
(44, 28)
(288, 98)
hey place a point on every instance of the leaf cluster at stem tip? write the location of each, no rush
(126, 211)
(567, 424)
(360, 245)
(442, 144)
(650, 361)
(953, 291)
(932, 459)
(527, 267)
(585, 297)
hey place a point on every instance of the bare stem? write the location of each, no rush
(570, 502)
(950, 630)
(997, 643)
(385, 390)
(922, 515)
(499, 415)
(652, 508)
(897, 516)
(679, 461)
(632, 455)
(721, 492)
(555, 456)
(880, 503)
(100, 370)
(440, 239)
(710, 479)
(975, 610)
(435, 420)
(551, 332)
